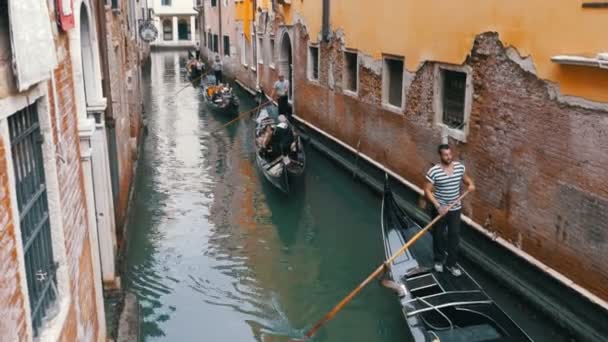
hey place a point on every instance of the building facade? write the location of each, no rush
(58, 215)
(176, 22)
(522, 99)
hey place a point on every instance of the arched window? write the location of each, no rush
(167, 30)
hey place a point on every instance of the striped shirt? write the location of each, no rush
(446, 188)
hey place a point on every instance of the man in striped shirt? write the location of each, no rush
(443, 185)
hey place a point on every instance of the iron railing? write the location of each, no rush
(26, 147)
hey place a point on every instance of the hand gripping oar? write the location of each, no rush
(331, 314)
(239, 117)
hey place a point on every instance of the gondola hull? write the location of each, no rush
(281, 171)
(439, 306)
(225, 102)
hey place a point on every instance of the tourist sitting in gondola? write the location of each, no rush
(275, 141)
(283, 137)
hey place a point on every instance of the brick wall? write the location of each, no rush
(540, 165)
(12, 305)
(123, 59)
(82, 321)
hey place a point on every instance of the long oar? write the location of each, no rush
(194, 80)
(239, 117)
(331, 314)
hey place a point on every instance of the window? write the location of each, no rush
(209, 41)
(115, 4)
(167, 30)
(313, 63)
(213, 3)
(243, 50)
(226, 46)
(215, 43)
(272, 51)
(351, 71)
(392, 83)
(165, 2)
(452, 99)
(260, 50)
(454, 84)
(32, 202)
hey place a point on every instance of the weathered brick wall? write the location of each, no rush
(12, 305)
(540, 165)
(124, 64)
(83, 320)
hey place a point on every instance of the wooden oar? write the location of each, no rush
(239, 117)
(331, 314)
(194, 80)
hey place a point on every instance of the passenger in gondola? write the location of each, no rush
(283, 138)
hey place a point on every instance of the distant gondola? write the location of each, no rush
(281, 168)
(219, 96)
(439, 306)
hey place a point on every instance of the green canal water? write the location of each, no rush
(216, 254)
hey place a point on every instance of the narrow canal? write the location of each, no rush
(216, 254)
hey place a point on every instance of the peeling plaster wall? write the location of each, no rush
(540, 164)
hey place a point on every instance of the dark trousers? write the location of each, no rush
(283, 103)
(218, 76)
(446, 237)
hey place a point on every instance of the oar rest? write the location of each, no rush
(443, 300)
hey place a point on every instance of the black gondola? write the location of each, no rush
(219, 96)
(281, 168)
(439, 307)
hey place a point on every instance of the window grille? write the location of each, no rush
(454, 90)
(26, 147)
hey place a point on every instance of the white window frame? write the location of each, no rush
(309, 66)
(243, 50)
(346, 91)
(51, 330)
(458, 134)
(271, 49)
(386, 84)
(260, 49)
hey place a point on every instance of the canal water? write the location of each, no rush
(216, 254)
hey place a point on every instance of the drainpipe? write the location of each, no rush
(254, 45)
(107, 92)
(220, 39)
(325, 29)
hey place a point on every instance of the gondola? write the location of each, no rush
(438, 307)
(219, 96)
(280, 169)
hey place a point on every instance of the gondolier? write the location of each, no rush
(443, 186)
(280, 93)
(217, 70)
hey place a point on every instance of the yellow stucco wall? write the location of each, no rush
(440, 30)
(244, 13)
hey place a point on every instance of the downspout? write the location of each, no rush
(220, 39)
(325, 28)
(254, 44)
(107, 92)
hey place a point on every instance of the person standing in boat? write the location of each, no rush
(217, 70)
(443, 186)
(280, 93)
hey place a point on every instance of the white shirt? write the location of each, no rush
(281, 87)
